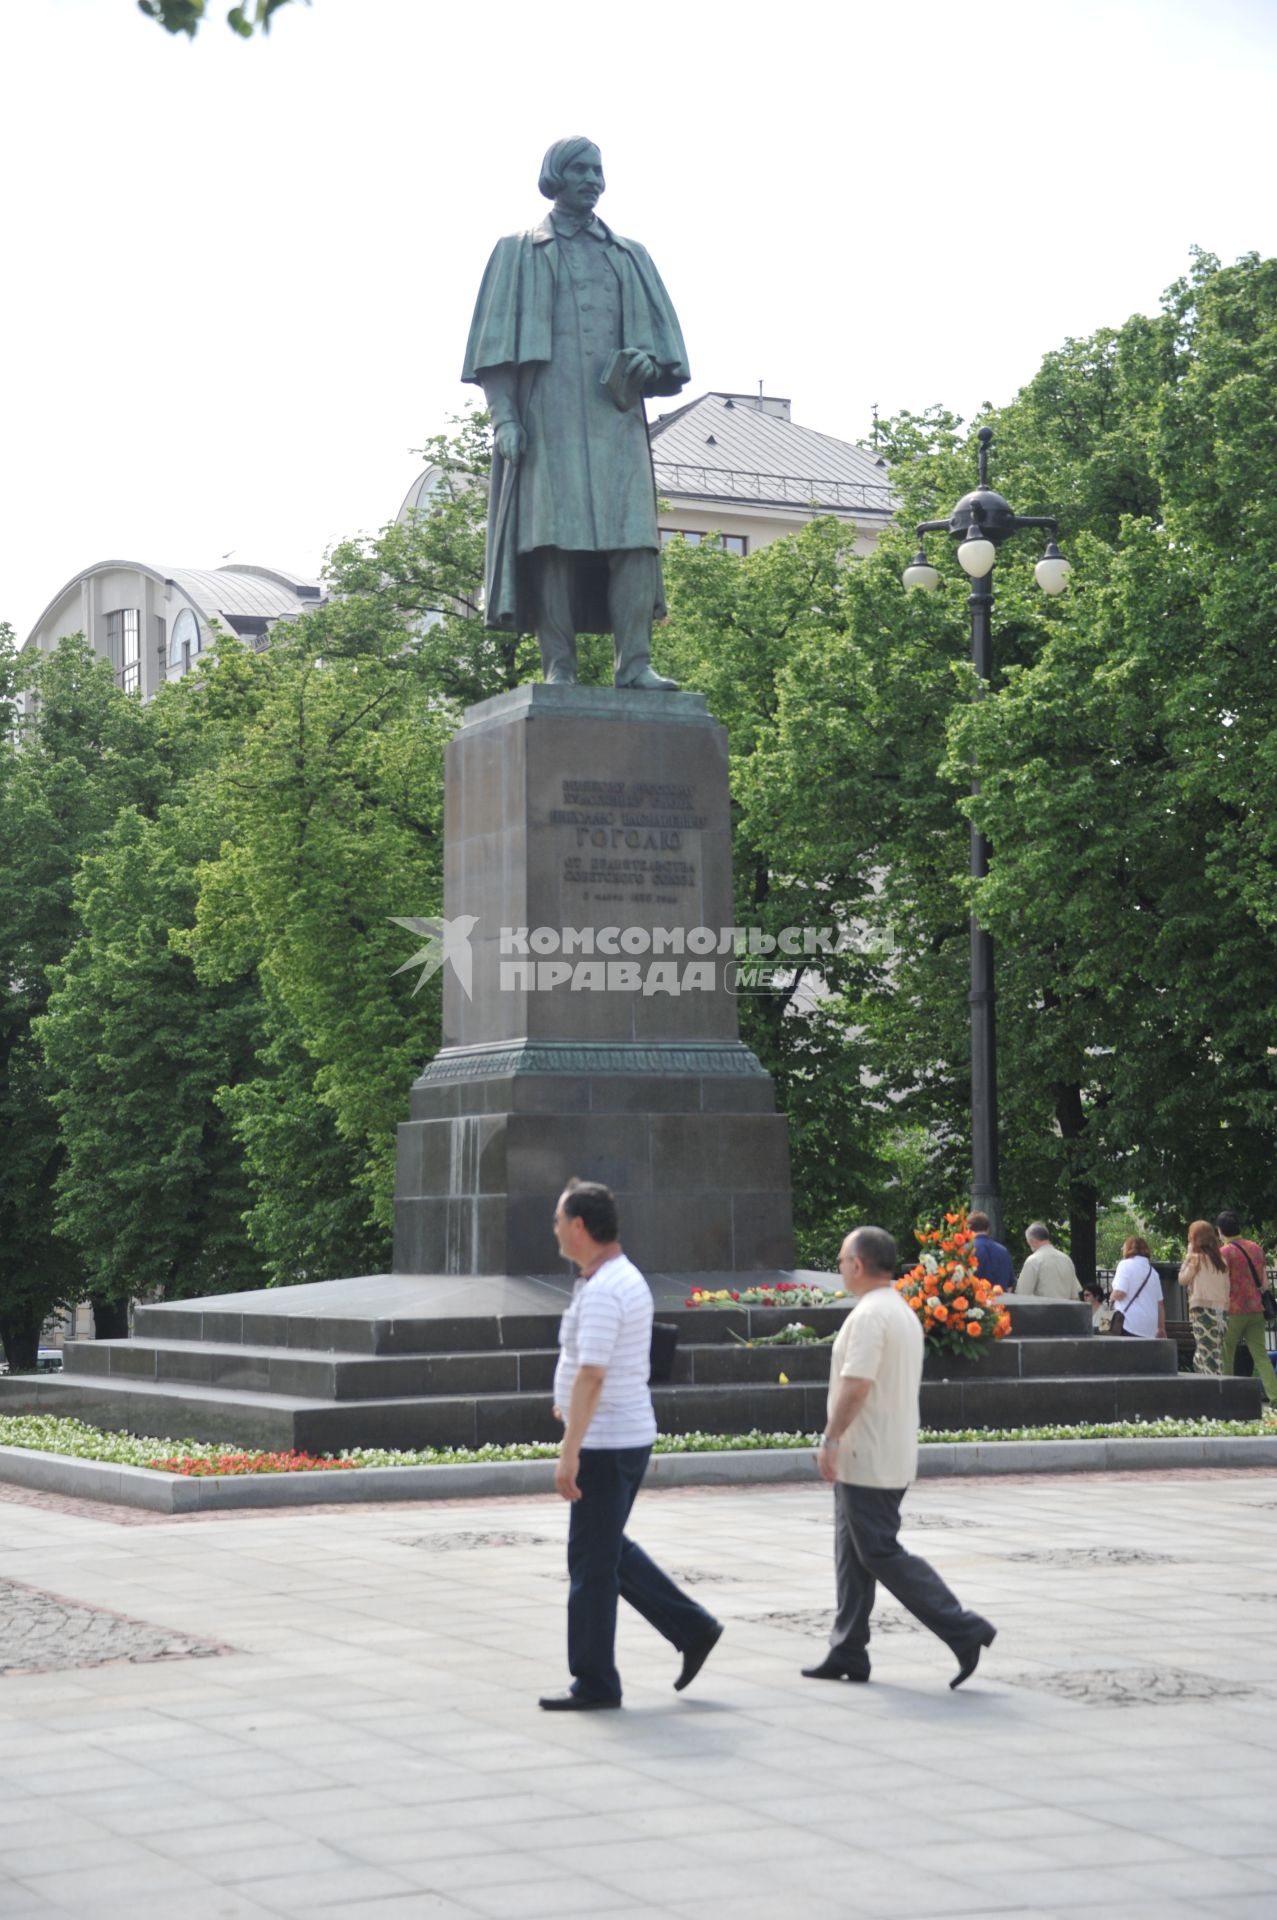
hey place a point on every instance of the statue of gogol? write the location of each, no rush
(572, 331)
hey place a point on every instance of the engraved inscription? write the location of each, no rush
(628, 842)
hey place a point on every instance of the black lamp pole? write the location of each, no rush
(979, 524)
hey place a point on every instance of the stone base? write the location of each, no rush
(697, 1157)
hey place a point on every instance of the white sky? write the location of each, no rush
(239, 275)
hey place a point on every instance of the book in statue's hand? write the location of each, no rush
(621, 381)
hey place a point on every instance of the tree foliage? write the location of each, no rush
(187, 16)
(73, 753)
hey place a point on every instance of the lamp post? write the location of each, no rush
(979, 524)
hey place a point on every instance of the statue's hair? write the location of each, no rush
(558, 157)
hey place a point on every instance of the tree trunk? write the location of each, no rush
(1083, 1213)
(110, 1319)
(1083, 1198)
(21, 1341)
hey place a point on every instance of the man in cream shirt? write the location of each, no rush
(1048, 1272)
(869, 1454)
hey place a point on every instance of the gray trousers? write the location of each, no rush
(629, 604)
(866, 1550)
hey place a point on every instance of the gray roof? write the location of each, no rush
(243, 590)
(729, 446)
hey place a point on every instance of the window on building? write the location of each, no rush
(124, 646)
(731, 542)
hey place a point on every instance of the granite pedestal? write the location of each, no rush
(593, 1027)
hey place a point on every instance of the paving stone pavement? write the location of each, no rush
(366, 1745)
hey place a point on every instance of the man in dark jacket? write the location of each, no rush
(992, 1261)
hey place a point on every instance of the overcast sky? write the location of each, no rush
(238, 276)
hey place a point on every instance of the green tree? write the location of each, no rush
(139, 1050)
(74, 752)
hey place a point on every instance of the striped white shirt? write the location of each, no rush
(609, 1324)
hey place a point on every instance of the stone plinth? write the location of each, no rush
(588, 841)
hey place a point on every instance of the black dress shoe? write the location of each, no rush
(694, 1659)
(831, 1670)
(574, 1703)
(969, 1659)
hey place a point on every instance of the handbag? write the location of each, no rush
(1118, 1323)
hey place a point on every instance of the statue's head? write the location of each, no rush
(572, 174)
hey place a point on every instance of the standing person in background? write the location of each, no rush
(1246, 1279)
(1204, 1277)
(1048, 1273)
(992, 1261)
(1101, 1312)
(601, 1394)
(1137, 1291)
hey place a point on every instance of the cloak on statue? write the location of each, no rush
(560, 325)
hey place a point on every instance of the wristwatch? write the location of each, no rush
(827, 1440)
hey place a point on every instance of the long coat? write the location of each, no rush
(514, 328)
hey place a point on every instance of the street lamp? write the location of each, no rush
(979, 524)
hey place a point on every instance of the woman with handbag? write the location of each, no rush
(1204, 1277)
(1136, 1293)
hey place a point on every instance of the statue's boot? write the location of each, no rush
(649, 681)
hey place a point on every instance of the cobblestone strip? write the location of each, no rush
(45, 1633)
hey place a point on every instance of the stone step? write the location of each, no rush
(206, 1323)
(1072, 1400)
(179, 1410)
(359, 1376)
(273, 1320)
(296, 1373)
(1026, 1358)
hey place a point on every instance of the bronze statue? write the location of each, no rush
(572, 330)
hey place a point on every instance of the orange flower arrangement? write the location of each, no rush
(959, 1312)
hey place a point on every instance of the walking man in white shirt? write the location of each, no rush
(601, 1393)
(869, 1454)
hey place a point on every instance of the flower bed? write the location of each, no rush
(204, 1466)
(45, 1433)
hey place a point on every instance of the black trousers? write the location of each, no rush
(604, 1566)
(866, 1551)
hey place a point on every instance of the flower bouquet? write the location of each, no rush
(783, 1293)
(794, 1335)
(958, 1311)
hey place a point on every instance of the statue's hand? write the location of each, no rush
(510, 440)
(642, 367)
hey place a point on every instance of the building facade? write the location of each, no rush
(152, 623)
(737, 465)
